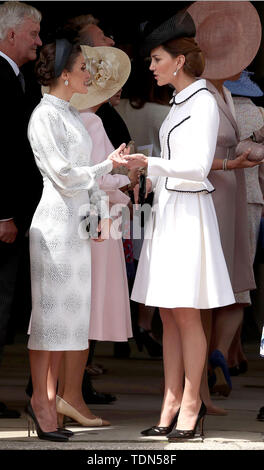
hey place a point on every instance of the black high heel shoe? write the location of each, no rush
(65, 432)
(161, 430)
(34, 424)
(143, 338)
(179, 434)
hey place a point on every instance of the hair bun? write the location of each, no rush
(44, 68)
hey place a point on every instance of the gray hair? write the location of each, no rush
(13, 14)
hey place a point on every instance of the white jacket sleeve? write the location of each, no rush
(191, 144)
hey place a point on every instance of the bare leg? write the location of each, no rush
(233, 350)
(173, 368)
(53, 374)
(39, 365)
(61, 379)
(236, 353)
(194, 354)
(74, 365)
(206, 317)
(240, 352)
(226, 323)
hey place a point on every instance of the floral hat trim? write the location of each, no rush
(104, 70)
(109, 69)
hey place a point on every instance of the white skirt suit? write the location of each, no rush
(182, 262)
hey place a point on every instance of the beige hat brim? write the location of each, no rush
(116, 58)
(96, 95)
(229, 35)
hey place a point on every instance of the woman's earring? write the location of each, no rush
(175, 73)
(66, 83)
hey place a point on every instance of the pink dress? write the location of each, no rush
(110, 308)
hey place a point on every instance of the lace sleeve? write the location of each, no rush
(49, 140)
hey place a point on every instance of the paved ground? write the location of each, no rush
(137, 385)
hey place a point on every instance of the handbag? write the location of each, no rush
(142, 200)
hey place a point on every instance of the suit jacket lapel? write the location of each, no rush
(7, 71)
(5, 65)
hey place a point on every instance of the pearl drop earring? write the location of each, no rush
(175, 73)
(66, 83)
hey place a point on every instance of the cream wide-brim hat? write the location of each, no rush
(110, 68)
(229, 35)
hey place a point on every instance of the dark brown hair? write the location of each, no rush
(194, 58)
(44, 68)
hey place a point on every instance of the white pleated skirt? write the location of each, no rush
(182, 262)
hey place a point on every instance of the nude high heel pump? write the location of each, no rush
(65, 409)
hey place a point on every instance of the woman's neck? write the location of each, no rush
(182, 81)
(218, 84)
(62, 92)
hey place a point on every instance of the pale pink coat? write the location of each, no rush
(110, 308)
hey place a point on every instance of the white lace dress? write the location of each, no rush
(59, 251)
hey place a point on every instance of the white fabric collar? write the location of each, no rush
(188, 91)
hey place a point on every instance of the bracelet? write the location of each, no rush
(225, 164)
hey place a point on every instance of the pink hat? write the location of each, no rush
(228, 33)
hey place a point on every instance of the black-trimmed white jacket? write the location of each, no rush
(188, 140)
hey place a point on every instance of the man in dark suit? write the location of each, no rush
(20, 187)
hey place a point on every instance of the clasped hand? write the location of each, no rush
(121, 157)
(117, 156)
(242, 161)
(136, 160)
